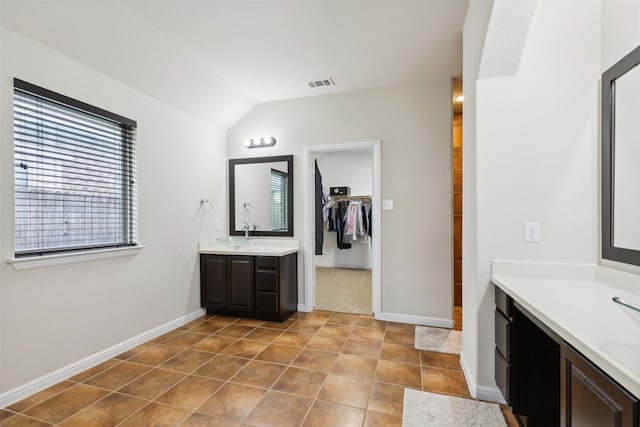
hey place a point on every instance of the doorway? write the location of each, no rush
(343, 268)
(311, 153)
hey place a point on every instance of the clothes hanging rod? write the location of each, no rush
(344, 197)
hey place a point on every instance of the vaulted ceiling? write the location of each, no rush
(216, 59)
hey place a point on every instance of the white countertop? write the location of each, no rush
(575, 301)
(255, 246)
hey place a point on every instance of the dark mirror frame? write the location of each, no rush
(232, 195)
(628, 256)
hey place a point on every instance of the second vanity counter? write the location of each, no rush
(575, 301)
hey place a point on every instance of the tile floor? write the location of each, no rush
(316, 369)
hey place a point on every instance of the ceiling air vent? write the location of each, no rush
(327, 81)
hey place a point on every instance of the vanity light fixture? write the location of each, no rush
(267, 141)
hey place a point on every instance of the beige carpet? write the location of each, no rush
(424, 409)
(345, 290)
(438, 339)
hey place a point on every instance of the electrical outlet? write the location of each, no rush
(531, 231)
(387, 205)
(218, 225)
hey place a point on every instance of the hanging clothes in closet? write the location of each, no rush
(351, 220)
(320, 201)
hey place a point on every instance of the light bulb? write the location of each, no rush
(460, 98)
(247, 142)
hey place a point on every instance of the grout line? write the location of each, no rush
(317, 333)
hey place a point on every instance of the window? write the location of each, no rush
(75, 174)
(278, 200)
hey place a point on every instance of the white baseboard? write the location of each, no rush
(416, 320)
(303, 308)
(489, 394)
(352, 266)
(480, 392)
(18, 393)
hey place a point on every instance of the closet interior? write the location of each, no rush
(343, 248)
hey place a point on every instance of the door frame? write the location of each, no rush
(309, 218)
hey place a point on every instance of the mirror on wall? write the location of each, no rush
(261, 196)
(621, 160)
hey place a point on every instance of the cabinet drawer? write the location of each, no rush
(267, 280)
(266, 262)
(503, 334)
(502, 302)
(503, 375)
(267, 302)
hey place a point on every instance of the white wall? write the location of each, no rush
(54, 316)
(535, 141)
(414, 125)
(620, 30)
(354, 170)
(474, 33)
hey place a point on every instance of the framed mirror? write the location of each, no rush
(621, 160)
(261, 196)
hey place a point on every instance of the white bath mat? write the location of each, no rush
(424, 409)
(438, 339)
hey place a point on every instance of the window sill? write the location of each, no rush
(28, 263)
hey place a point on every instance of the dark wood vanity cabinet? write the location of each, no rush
(548, 383)
(590, 398)
(261, 287)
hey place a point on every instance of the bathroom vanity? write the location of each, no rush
(254, 278)
(566, 354)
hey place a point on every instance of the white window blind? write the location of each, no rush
(75, 174)
(279, 208)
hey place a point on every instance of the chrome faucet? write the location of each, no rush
(246, 230)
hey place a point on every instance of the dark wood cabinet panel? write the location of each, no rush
(503, 375)
(240, 283)
(266, 302)
(267, 280)
(213, 273)
(503, 335)
(503, 302)
(250, 286)
(590, 398)
(266, 262)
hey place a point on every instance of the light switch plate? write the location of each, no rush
(387, 204)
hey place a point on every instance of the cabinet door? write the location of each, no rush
(240, 283)
(213, 276)
(590, 398)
